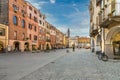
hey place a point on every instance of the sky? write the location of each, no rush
(64, 14)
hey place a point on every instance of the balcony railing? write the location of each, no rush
(48, 40)
(108, 14)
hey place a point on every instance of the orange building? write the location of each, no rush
(53, 36)
(15, 18)
(28, 29)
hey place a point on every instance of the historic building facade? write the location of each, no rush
(13, 14)
(105, 26)
(48, 39)
(42, 31)
(3, 38)
(73, 41)
(53, 36)
(84, 42)
(32, 26)
(28, 28)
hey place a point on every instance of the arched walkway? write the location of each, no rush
(112, 32)
(112, 40)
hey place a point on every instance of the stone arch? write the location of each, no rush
(112, 32)
(109, 46)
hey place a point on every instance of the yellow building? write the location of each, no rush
(65, 41)
(48, 39)
(84, 42)
(3, 38)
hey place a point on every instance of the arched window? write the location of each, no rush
(15, 20)
(23, 23)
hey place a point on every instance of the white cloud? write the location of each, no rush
(52, 1)
(39, 4)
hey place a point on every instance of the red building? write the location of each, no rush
(13, 14)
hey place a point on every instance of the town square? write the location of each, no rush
(59, 39)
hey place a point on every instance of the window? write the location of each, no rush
(23, 36)
(15, 20)
(30, 15)
(30, 8)
(35, 37)
(23, 23)
(40, 15)
(35, 29)
(15, 34)
(30, 36)
(35, 11)
(40, 22)
(2, 32)
(15, 8)
(113, 5)
(23, 13)
(35, 19)
(30, 26)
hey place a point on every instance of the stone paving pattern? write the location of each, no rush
(14, 66)
(78, 65)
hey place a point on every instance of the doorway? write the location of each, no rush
(17, 48)
(116, 48)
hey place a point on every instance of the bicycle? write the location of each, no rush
(102, 56)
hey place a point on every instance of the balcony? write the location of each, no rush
(109, 14)
(94, 31)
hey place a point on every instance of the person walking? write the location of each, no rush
(73, 47)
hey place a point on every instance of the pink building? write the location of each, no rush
(32, 26)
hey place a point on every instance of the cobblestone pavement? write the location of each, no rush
(78, 65)
(14, 66)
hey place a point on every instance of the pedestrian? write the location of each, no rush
(73, 47)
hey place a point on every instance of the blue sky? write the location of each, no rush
(64, 14)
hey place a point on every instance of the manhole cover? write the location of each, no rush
(52, 62)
